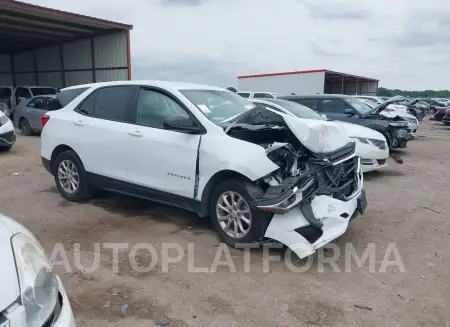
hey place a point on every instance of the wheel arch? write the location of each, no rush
(213, 182)
(57, 151)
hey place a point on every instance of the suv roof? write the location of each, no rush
(155, 83)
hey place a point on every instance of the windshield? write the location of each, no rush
(297, 109)
(218, 106)
(360, 106)
(369, 103)
(42, 90)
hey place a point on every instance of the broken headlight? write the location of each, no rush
(282, 198)
(3, 119)
(37, 281)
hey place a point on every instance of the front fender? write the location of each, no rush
(229, 154)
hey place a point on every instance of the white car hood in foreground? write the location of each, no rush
(354, 130)
(8, 275)
(317, 135)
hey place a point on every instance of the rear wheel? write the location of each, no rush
(233, 216)
(25, 127)
(70, 177)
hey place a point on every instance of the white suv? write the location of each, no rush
(258, 174)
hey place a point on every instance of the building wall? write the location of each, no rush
(300, 84)
(353, 88)
(5, 70)
(99, 59)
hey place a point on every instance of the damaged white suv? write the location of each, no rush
(258, 174)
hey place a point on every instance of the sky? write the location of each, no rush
(403, 43)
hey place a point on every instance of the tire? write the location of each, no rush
(259, 220)
(82, 191)
(25, 127)
(5, 148)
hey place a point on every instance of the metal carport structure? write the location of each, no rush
(48, 47)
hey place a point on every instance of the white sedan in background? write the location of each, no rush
(31, 294)
(371, 145)
(7, 134)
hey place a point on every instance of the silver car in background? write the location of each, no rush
(29, 113)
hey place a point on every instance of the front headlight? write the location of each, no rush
(3, 119)
(38, 284)
(360, 139)
(398, 124)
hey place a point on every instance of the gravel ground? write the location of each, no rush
(407, 208)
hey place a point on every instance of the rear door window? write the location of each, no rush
(112, 103)
(37, 103)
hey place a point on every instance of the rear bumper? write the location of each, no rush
(46, 164)
(446, 119)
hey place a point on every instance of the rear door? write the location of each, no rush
(34, 110)
(99, 130)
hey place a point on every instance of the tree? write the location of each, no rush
(414, 94)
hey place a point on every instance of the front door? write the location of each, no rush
(156, 158)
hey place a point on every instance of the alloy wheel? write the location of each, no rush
(233, 214)
(68, 176)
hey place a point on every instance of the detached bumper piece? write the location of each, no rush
(8, 138)
(332, 196)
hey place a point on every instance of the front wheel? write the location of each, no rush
(232, 215)
(70, 177)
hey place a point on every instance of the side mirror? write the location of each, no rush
(183, 125)
(348, 112)
(324, 116)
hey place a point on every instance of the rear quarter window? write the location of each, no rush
(67, 96)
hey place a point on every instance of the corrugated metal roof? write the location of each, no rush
(329, 74)
(25, 26)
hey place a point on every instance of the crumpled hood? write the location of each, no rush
(354, 130)
(395, 113)
(318, 136)
(8, 276)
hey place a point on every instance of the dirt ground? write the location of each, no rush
(408, 205)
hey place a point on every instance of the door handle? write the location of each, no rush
(78, 123)
(136, 133)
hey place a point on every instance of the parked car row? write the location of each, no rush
(11, 97)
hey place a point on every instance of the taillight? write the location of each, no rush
(448, 112)
(44, 120)
(438, 110)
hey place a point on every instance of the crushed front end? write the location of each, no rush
(316, 207)
(318, 188)
(398, 133)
